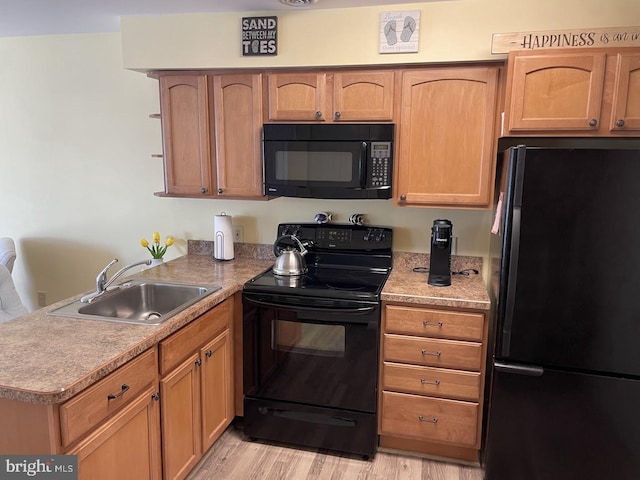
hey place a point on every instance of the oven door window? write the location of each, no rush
(308, 338)
(315, 164)
(306, 358)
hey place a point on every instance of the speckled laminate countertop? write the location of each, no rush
(405, 285)
(47, 360)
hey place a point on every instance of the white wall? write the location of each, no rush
(77, 179)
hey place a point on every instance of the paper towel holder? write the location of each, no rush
(223, 237)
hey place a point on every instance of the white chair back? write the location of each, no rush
(7, 253)
(10, 304)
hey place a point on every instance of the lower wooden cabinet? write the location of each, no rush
(127, 447)
(432, 380)
(196, 389)
(151, 419)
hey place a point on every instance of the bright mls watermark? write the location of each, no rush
(40, 467)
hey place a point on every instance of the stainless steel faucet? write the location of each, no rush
(101, 280)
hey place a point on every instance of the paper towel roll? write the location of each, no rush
(223, 237)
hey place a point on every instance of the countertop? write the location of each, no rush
(47, 359)
(466, 291)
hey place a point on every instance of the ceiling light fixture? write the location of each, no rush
(298, 3)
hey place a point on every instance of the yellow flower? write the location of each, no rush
(156, 250)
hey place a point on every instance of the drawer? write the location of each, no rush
(433, 352)
(90, 407)
(434, 323)
(438, 382)
(176, 348)
(427, 418)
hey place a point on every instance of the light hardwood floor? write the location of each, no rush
(235, 458)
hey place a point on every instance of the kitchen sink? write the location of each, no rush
(138, 302)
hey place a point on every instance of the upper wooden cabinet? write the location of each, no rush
(186, 135)
(626, 93)
(445, 147)
(237, 124)
(331, 96)
(592, 92)
(211, 130)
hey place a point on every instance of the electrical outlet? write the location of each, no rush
(42, 299)
(238, 234)
(454, 245)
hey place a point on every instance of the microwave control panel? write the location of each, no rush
(380, 165)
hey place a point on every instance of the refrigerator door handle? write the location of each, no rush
(507, 324)
(517, 369)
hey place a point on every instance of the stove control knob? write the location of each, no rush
(368, 236)
(380, 236)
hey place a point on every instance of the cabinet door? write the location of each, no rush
(446, 140)
(626, 98)
(363, 96)
(238, 140)
(216, 388)
(185, 133)
(181, 434)
(555, 92)
(297, 96)
(126, 447)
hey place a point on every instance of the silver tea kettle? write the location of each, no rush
(289, 261)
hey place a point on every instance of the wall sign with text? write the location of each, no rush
(259, 36)
(570, 38)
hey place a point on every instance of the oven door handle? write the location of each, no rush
(262, 303)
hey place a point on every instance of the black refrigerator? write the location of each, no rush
(564, 384)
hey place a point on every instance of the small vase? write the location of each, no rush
(155, 262)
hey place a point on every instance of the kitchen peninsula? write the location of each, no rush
(51, 364)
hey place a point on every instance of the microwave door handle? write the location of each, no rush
(363, 164)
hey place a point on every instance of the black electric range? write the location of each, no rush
(311, 342)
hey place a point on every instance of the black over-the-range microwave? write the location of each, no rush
(328, 160)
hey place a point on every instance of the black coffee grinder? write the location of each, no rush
(440, 261)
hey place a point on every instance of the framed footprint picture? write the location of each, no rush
(399, 31)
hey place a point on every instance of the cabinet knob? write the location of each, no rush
(203, 190)
(593, 122)
(337, 115)
(208, 353)
(620, 123)
(198, 362)
(318, 115)
(403, 198)
(156, 396)
(220, 191)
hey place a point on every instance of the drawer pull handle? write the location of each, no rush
(113, 396)
(427, 323)
(424, 381)
(426, 352)
(428, 420)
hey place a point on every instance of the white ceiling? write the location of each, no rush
(49, 17)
